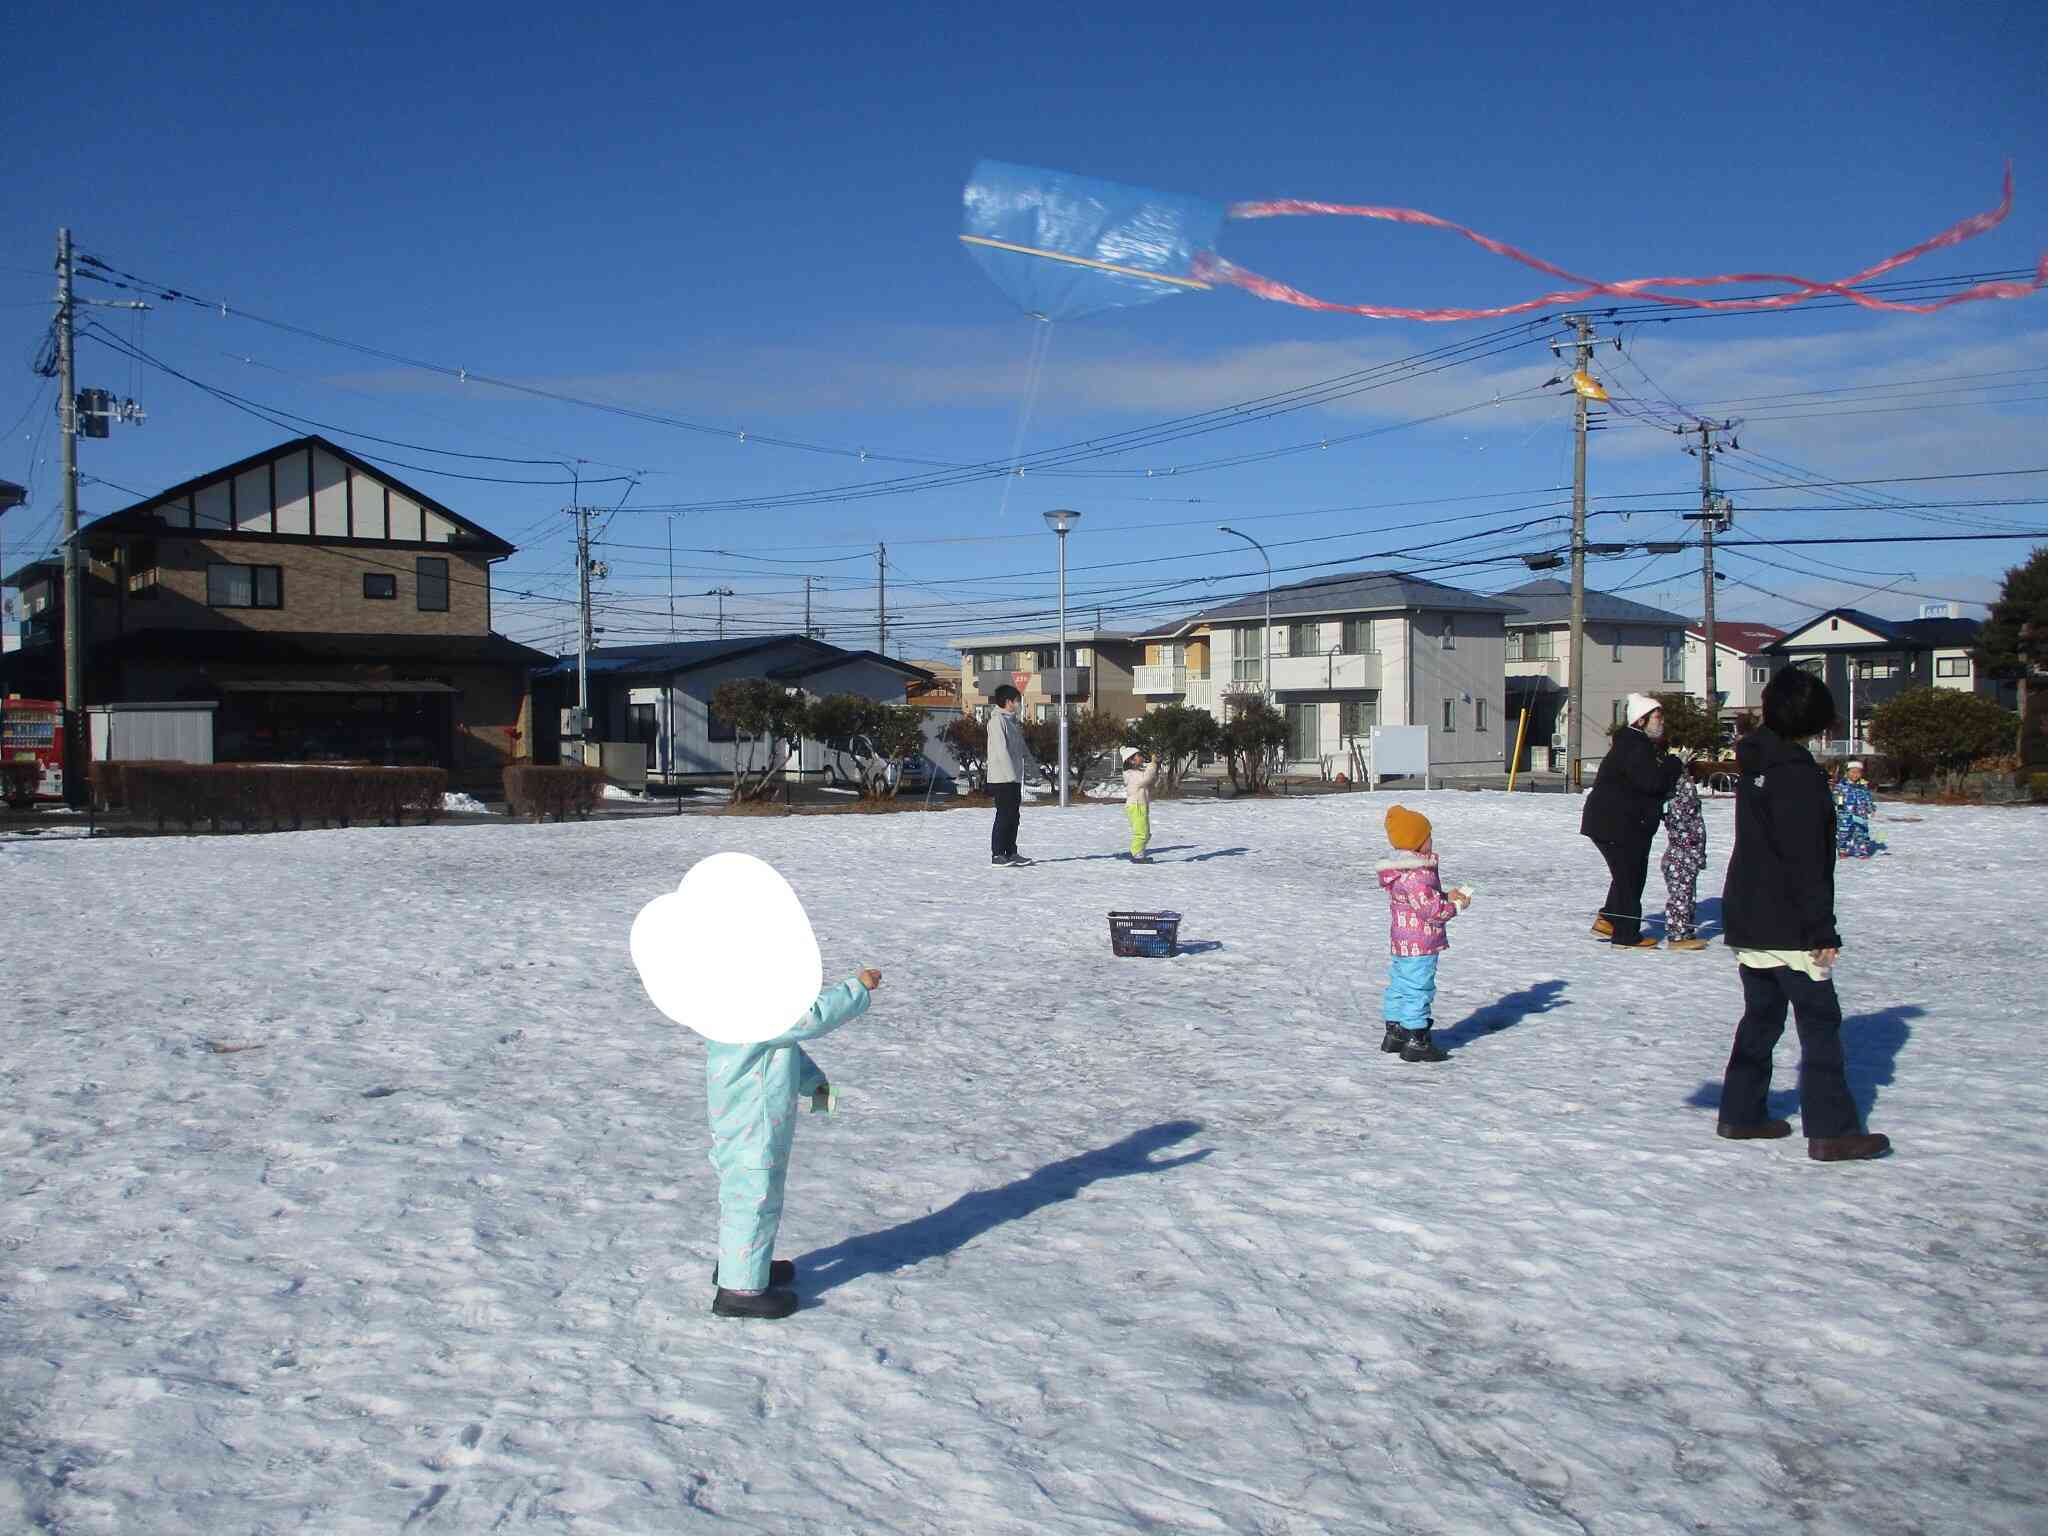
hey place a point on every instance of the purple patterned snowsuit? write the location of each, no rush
(1685, 854)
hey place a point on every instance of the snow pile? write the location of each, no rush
(619, 792)
(348, 1183)
(457, 803)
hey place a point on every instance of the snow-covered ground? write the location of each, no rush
(351, 1184)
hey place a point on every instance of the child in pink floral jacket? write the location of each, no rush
(1420, 910)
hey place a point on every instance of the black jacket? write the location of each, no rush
(1629, 791)
(1781, 877)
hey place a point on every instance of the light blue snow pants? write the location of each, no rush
(1411, 990)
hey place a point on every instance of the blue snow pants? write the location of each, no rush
(1411, 990)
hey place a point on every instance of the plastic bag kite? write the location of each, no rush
(1063, 246)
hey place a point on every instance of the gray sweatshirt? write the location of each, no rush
(1008, 756)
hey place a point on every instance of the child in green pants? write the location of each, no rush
(1140, 772)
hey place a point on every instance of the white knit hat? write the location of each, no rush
(1640, 706)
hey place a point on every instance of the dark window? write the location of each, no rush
(715, 728)
(641, 726)
(376, 585)
(433, 583)
(244, 586)
(1952, 666)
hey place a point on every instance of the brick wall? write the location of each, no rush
(322, 589)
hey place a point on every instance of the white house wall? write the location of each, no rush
(1471, 673)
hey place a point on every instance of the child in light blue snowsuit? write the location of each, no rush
(751, 1093)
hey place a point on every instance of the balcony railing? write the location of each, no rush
(1159, 679)
(1300, 674)
(1048, 682)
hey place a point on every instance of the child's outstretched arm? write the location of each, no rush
(836, 1005)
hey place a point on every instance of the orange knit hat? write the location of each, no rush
(1407, 830)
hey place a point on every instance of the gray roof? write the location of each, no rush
(1550, 602)
(1353, 592)
(803, 657)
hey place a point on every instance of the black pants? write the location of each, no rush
(1002, 837)
(1628, 866)
(1825, 1108)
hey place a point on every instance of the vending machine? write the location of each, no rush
(32, 731)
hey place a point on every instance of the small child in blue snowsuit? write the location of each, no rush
(1685, 854)
(751, 1093)
(1854, 806)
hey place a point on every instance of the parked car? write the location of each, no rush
(845, 758)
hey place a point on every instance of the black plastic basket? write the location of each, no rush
(1154, 935)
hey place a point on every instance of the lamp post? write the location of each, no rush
(721, 593)
(1060, 521)
(1266, 634)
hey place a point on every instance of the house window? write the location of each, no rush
(1450, 638)
(641, 726)
(376, 584)
(1876, 668)
(1450, 714)
(1817, 665)
(1952, 666)
(142, 570)
(244, 586)
(1358, 637)
(1304, 732)
(430, 575)
(1759, 674)
(1617, 645)
(1479, 714)
(1620, 706)
(1304, 639)
(1357, 717)
(1531, 645)
(1245, 663)
(716, 727)
(1513, 649)
(1674, 656)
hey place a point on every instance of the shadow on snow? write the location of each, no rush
(1871, 1042)
(1504, 1013)
(942, 1232)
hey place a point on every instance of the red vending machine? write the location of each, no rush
(32, 731)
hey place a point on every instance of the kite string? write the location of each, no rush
(1212, 267)
(1034, 373)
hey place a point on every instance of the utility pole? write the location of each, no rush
(882, 600)
(1583, 389)
(67, 415)
(582, 715)
(669, 526)
(1713, 517)
(807, 607)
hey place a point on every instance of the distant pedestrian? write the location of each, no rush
(1778, 915)
(1685, 854)
(1009, 764)
(1621, 816)
(1419, 908)
(1141, 772)
(1854, 806)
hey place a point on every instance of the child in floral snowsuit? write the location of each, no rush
(1420, 909)
(1685, 854)
(1854, 806)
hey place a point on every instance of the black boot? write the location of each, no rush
(1395, 1038)
(781, 1274)
(1421, 1048)
(768, 1304)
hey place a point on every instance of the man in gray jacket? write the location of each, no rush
(1009, 760)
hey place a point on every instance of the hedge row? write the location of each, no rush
(542, 791)
(254, 794)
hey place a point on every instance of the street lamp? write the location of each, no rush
(1266, 634)
(1060, 521)
(721, 593)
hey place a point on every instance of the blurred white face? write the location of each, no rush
(1653, 725)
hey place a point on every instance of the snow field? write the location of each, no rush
(351, 1183)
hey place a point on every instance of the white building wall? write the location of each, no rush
(1470, 674)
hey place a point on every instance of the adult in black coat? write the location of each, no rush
(1622, 812)
(1778, 914)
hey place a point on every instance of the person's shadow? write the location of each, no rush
(1219, 853)
(1503, 1013)
(1707, 917)
(1086, 858)
(1870, 1041)
(941, 1232)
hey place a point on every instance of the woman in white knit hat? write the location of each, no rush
(1622, 814)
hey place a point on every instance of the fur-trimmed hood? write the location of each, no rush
(1396, 864)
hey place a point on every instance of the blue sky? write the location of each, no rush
(747, 224)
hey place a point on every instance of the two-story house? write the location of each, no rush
(1098, 674)
(1866, 660)
(1346, 653)
(1630, 648)
(1740, 668)
(334, 612)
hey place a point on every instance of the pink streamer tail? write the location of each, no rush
(1209, 267)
